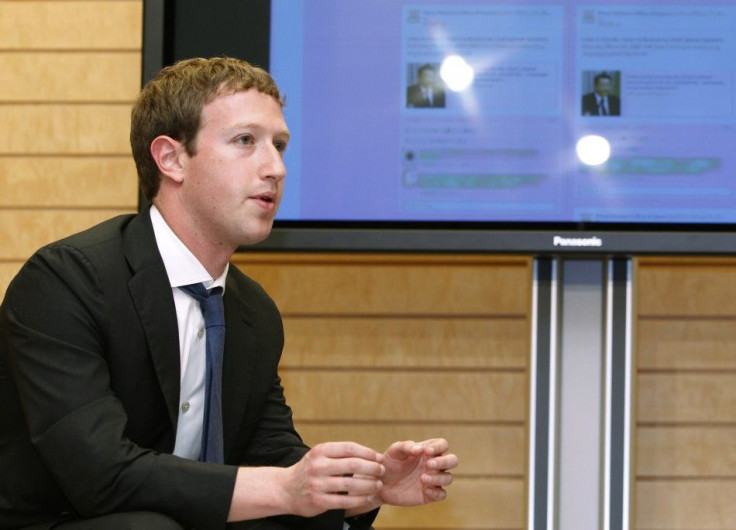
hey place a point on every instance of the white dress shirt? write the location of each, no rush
(184, 269)
(602, 104)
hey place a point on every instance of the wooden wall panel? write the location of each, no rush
(58, 129)
(687, 397)
(421, 342)
(66, 181)
(389, 286)
(23, 231)
(687, 343)
(685, 437)
(387, 347)
(687, 287)
(71, 25)
(71, 77)
(475, 504)
(407, 396)
(686, 504)
(70, 71)
(687, 451)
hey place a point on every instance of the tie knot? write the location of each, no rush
(210, 302)
(199, 291)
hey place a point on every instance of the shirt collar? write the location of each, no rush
(182, 267)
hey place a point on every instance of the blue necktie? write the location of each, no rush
(214, 321)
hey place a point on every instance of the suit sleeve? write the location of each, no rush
(275, 442)
(268, 436)
(53, 342)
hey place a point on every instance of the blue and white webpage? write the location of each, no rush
(505, 147)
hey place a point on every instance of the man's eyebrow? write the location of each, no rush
(282, 132)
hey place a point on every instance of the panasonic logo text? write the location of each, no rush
(559, 241)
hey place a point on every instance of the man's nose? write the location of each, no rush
(273, 164)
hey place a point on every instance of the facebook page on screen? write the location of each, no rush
(553, 111)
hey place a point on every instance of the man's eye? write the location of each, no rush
(245, 139)
(280, 146)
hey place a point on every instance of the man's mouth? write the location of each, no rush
(266, 197)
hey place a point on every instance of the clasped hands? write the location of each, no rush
(354, 478)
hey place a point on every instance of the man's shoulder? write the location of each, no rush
(108, 230)
(95, 251)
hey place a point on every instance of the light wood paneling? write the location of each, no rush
(473, 504)
(687, 398)
(687, 343)
(51, 52)
(66, 129)
(369, 287)
(682, 451)
(685, 463)
(403, 343)
(71, 77)
(686, 505)
(23, 231)
(484, 450)
(395, 396)
(62, 181)
(71, 70)
(687, 287)
(54, 25)
(382, 348)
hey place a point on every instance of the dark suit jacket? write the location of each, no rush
(89, 386)
(415, 98)
(590, 105)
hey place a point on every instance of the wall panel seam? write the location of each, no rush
(413, 316)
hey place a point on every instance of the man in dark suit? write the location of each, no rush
(601, 102)
(104, 361)
(426, 93)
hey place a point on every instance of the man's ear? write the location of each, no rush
(168, 153)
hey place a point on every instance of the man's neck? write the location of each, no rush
(213, 256)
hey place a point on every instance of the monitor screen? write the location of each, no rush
(508, 126)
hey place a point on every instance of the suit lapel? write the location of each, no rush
(151, 293)
(240, 345)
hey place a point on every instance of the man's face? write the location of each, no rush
(427, 78)
(603, 86)
(234, 181)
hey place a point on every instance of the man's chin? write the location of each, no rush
(254, 237)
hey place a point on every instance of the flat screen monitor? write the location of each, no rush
(518, 126)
